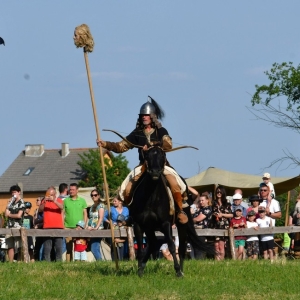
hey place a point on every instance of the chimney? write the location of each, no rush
(34, 150)
(65, 149)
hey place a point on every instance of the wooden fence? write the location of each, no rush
(128, 233)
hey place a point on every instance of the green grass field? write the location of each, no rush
(203, 280)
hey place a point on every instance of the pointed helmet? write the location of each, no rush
(147, 108)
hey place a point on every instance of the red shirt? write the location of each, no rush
(53, 215)
(235, 221)
(80, 244)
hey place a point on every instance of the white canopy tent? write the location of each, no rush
(210, 178)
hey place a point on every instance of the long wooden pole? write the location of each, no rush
(101, 155)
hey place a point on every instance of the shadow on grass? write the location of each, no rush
(125, 268)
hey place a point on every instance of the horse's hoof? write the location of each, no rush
(140, 272)
(179, 274)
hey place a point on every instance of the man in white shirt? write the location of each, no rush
(272, 206)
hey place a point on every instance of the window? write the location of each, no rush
(28, 171)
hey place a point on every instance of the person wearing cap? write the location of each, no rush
(28, 224)
(52, 208)
(243, 203)
(271, 205)
(80, 244)
(255, 202)
(121, 242)
(267, 180)
(237, 202)
(238, 222)
(267, 240)
(252, 242)
(14, 213)
(149, 132)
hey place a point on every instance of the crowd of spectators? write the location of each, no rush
(65, 211)
(70, 211)
(221, 213)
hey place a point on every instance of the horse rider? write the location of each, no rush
(147, 133)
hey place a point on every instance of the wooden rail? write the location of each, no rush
(128, 233)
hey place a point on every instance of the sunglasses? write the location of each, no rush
(219, 192)
(261, 211)
(263, 190)
(94, 195)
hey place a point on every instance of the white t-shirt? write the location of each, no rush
(252, 237)
(274, 207)
(265, 223)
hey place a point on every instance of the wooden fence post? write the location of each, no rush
(24, 248)
(130, 243)
(231, 242)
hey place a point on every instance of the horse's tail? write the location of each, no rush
(197, 242)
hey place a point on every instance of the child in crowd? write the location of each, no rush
(121, 242)
(239, 222)
(267, 180)
(28, 224)
(80, 244)
(267, 240)
(252, 242)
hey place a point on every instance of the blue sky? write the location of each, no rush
(199, 60)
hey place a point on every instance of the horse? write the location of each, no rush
(150, 211)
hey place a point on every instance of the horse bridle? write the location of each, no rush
(165, 158)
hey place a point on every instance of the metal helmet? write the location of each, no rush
(147, 109)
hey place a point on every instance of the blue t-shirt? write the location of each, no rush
(114, 214)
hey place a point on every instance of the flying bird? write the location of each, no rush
(2, 41)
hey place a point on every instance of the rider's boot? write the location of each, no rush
(182, 217)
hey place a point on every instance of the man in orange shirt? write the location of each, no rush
(53, 219)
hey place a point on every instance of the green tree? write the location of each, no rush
(284, 86)
(284, 81)
(91, 170)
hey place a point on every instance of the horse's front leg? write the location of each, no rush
(181, 230)
(167, 231)
(138, 232)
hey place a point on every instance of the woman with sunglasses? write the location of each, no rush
(95, 222)
(221, 214)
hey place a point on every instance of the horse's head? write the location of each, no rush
(155, 159)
